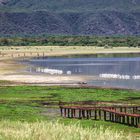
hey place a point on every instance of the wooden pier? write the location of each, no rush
(128, 115)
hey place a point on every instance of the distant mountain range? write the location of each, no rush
(69, 17)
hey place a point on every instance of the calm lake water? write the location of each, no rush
(108, 72)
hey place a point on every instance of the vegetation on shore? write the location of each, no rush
(34, 103)
(107, 42)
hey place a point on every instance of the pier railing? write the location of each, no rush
(128, 115)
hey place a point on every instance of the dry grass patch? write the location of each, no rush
(55, 131)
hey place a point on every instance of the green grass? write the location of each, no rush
(20, 112)
(24, 103)
(35, 93)
(34, 96)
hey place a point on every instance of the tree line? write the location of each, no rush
(106, 42)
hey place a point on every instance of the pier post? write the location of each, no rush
(113, 117)
(80, 114)
(74, 113)
(90, 113)
(123, 119)
(110, 116)
(105, 115)
(83, 113)
(68, 113)
(87, 114)
(61, 110)
(100, 115)
(128, 120)
(95, 114)
(132, 121)
(65, 112)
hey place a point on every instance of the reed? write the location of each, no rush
(55, 131)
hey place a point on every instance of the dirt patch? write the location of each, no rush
(93, 103)
(51, 113)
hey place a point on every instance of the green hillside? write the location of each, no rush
(72, 5)
(69, 17)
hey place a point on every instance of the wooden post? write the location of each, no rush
(132, 121)
(105, 115)
(100, 115)
(83, 113)
(136, 119)
(74, 113)
(65, 112)
(120, 118)
(113, 117)
(68, 113)
(128, 120)
(95, 114)
(123, 119)
(61, 110)
(110, 116)
(80, 113)
(71, 113)
(87, 112)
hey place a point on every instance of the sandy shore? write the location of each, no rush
(37, 51)
(43, 79)
(12, 71)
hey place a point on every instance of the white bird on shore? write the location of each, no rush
(114, 76)
(69, 72)
(136, 77)
(49, 71)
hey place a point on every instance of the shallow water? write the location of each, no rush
(109, 72)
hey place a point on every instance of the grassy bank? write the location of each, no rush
(26, 103)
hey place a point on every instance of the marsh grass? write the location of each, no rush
(55, 131)
(24, 103)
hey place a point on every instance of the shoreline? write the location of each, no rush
(56, 51)
(12, 71)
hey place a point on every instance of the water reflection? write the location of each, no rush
(117, 72)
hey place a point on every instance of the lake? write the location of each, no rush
(116, 72)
